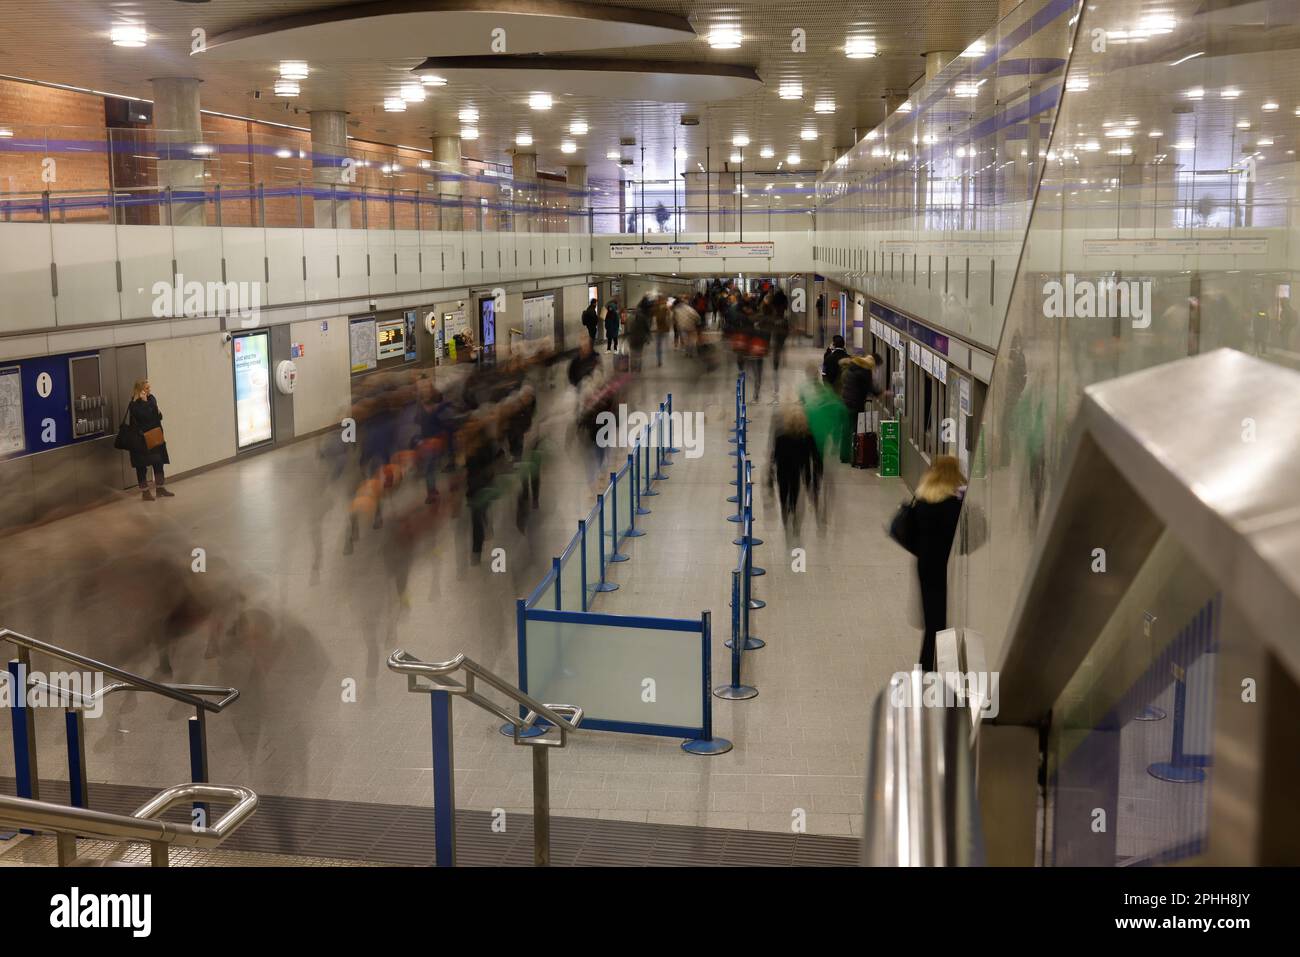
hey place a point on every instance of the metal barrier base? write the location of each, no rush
(1175, 773)
(1151, 713)
(607, 586)
(735, 692)
(642, 510)
(634, 533)
(757, 572)
(756, 603)
(659, 476)
(712, 746)
(751, 643)
(734, 518)
(534, 732)
(616, 557)
(648, 492)
(753, 542)
(733, 499)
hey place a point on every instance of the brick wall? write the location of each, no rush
(38, 114)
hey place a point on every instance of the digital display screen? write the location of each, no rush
(489, 314)
(392, 339)
(251, 354)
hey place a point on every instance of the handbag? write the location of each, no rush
(153, 438)
(901, 527)
(128, 438)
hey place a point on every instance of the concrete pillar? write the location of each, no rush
(524, 173)
(329, 149)
(576, 179)
(936, 60)
(448, 166)
(178, 129)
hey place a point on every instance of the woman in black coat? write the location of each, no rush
(932, 526)
(143, 416)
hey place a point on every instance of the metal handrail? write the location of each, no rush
(920, 795)
(442, 685)
(187, 694)
(142, 825)
(439, 673)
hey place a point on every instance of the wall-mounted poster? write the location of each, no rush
(11, 411)
(363, 338)
(412, 347)
(251, 352)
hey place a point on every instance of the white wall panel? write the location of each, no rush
(284, 256)
(25, 258)
(381, 278)
(407, 247)
(323, 392)
(146, 255)
(194, 383)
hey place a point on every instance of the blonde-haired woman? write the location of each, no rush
(147, 421)
(926, 530)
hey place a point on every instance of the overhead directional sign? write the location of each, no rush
(691, 250)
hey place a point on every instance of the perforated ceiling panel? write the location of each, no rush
(67, 41)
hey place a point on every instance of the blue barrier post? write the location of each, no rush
(521, 648)
(672, 448)
(739, 497)
(708, 744)
(444, 781)
(582, 547)
(632, 530)
(23, 719)
(646, 445)
(604, 585)
(735, 691)
(660, 458)
(198, 728)
(74, 720)
(615, 555)
(559, 586)
(748, 527)
(638, 457)
(1178, 769)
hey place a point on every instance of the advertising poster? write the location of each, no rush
(488, 312)
(252, 358)
(11, 411)
(363, 341)
(412, 349)
(391, 338)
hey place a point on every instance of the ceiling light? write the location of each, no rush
(976, 49)
(1122, 151)
(568, 146)
(540, 101)
(1195, 93)
(203, 149)
(808, 134)
(1269, 107)
(293, 70)
(394, 104)
(578, 128)
(1230, 93)
(791, 91)
(468, 115)
(286, 88)
(1091, 146)
(1243, 125)
(283, 153)
(5, 131)
(793, 159)
(523, 139)
(859, 48)
(129, 35)
(612, 155)
(735, 157)
(1121, 133)
(1185, 145)
(824, 106)
(767, 152)
(413, 92)
(1264, 141)
(680, 153)
(724, 38)
(430, 79)
(871, 135)
(1077, 84)
(426, 164)
(967, 88)
(905, 107)
(1156, 134)
(469, 132)
(740, 139)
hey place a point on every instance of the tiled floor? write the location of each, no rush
(310, 622)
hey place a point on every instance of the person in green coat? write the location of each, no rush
(826, 415)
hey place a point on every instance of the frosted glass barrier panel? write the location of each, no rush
(602, 668)
(545, 597)
(571, 578)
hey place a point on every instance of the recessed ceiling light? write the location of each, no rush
(1264, 141)
(1269, 107)
(1243, 125)
(540, 101)
(735, 157)
(430, 79)
(1121, 133)
(791, 91)
(129, 35)
(523, 139)
(767, 152)
(1122, 151)
(613, 155)
(468, 115)
(724, 38)
(469, 132)
(568, 146)
(976, 49)
(578, 128)
(413, 92)
(871, 135)
(905, 107)
(1230, 93)
(824, 106)
(286, 88)
(793, 159)
(680, 153)
(1156, 134)
(808, 134)
(5, 131)
(740, 139)
(1195, 93)
(293, 70)
(394, 104)
(1185, 145)
(859, 48)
